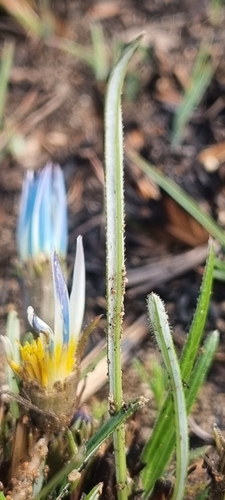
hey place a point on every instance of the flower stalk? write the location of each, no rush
(115, 265)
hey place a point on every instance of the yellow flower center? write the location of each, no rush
(41, 365)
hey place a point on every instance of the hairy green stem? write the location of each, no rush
(115, 280)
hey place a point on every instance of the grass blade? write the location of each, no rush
(201, 76)
(71, 47)
(25, 15)
(95, 492)
(100, 56)
(179, 195)
(191, 347)
(6, 64)
(201, 368)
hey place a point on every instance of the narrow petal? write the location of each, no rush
(44, 331)
(12, 365)
(41, 228)
(61, 303)
(27, 202)
(77, 297)
(59, 212)
(18, 370)
(7, 347)
(13, 334)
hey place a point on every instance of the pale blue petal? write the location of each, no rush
(41, 228)
(42, 223)
(61, 299)
(27, 201)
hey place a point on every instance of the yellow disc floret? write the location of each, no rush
(42, 366)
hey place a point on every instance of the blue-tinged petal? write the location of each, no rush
(41, 228)
(42, 223)
(28, 196)
(61, 299)
(59, 212)
(58, 331)
(22, 242)
(33, 187)
(77, 297)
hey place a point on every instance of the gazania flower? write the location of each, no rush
(42, 226)
(49, 365)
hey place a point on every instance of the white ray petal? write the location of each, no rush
(77, 297)
(13, 334)
(7, 347)
(59, 298)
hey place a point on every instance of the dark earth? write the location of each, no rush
(55, 111)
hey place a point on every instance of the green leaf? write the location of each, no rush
(219, 271)
(100, 56)
(194, 336)
(162, 334)
(159, 448)
(201, 368)
(73, 48)
(201, 76)
(95, 492)
(179, 195)
(108, 427)
(204, 495)
(93, 444)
